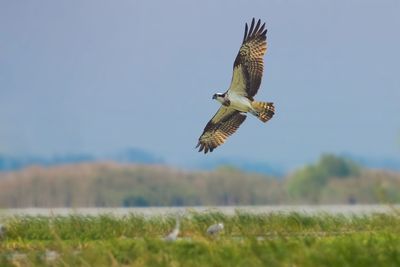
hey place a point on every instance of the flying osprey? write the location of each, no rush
(238, 99)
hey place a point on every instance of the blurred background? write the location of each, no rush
(102, 103)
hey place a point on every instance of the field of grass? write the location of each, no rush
(275, 239)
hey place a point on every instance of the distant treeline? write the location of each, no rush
(331, 180)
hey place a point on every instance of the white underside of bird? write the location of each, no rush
(238, 102)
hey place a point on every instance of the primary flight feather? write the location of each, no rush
(238, 99)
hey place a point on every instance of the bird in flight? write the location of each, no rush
(239, 98)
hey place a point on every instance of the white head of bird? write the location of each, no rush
(221, 98)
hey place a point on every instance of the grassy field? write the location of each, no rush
(275, 239)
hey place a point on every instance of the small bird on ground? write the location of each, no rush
(51, 255)
(215, 229)
(239, 98)
(174, 234)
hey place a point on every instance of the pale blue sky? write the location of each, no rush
(99, 76)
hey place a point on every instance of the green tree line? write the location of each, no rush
(330, 180)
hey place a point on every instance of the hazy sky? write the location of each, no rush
(99, 76)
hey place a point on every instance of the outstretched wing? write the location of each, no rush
(224, 123)
(249, 65)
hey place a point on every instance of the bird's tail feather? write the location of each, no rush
(264, 110)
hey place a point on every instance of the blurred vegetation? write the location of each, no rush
(307, 183)
(274, 239)
(331, 180)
